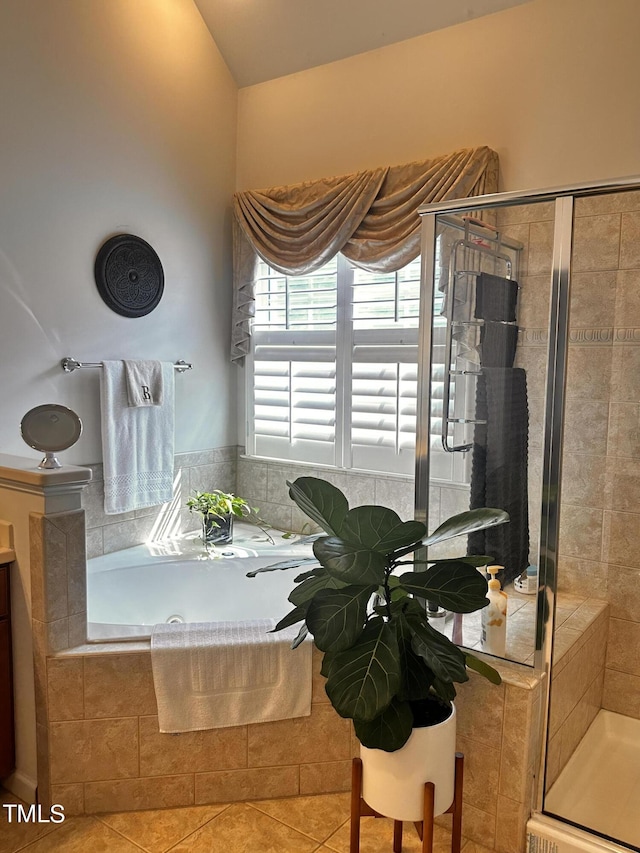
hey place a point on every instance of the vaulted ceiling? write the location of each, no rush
(264, 39)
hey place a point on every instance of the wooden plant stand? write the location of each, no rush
(424, 827)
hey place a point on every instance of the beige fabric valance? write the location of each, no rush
(371, 217)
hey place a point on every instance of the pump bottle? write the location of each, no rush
(494, 617)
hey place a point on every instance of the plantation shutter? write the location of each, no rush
(334, 370)
(294, 365)
(294, 403)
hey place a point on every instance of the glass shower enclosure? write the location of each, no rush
(530, 401)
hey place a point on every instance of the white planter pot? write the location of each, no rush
(393, 782)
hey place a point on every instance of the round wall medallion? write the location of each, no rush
(129, 275)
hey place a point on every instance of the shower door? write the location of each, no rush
(593, 754)
(489, 291)
(576, 258)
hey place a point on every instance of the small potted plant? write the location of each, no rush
(387, 668)
(218, 510)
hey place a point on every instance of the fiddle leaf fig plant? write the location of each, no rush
(386, 667)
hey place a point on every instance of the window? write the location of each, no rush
(334, 368)
(333, 374)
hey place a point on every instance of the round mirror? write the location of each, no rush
(50, 428)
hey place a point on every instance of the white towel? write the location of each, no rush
(210, 675)
(144, 382)
(137, 443)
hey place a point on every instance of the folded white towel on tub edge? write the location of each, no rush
(210, 675)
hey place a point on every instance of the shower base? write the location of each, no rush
(600, 785)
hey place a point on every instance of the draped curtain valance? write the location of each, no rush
(369, 216)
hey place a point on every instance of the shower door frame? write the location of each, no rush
(564, 198)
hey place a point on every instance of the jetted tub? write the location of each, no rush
(179, 580)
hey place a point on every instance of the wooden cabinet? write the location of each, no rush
(7, 741)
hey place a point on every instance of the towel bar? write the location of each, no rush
(70, 364)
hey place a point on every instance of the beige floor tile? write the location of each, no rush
(318, 816)
(15, 836)
(81, 835)
(474, 847)
(376, 836)
(156, 831)
(241, 828)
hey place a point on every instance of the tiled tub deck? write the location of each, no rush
(100, 750)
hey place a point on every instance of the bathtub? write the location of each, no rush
(179, 580)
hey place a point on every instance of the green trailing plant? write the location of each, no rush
(216, 506)
(362, 600)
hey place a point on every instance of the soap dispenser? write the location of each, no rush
(494, 617)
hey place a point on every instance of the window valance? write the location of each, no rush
(369, 216)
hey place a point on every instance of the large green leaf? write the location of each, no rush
(322, 502)
(416, 677)
(439, 653)
(467, 522)
(336, 617)
(380, 529)
(291, 563)
(444, 689)
(321, 579)
(363, 680)
(293, 616)
(328, 660)
(389, 731)
(454, 586)
(350, 563)
(305, 575)
(482, 668)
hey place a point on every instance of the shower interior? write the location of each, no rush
(575, 254)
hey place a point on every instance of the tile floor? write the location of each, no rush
(317, 824)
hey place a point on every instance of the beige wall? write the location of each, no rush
(550, 85)
(117, 116)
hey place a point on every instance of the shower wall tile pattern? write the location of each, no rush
(600, 509)
(607, 230)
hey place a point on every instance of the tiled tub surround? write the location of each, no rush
(104, 751)
(201, 470)
(264, 484)
(27, 489)
(99, 748)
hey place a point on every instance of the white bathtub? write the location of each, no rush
(179, 580)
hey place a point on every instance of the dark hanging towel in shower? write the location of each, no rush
(496, 298)
(498, 342)
(499, 467)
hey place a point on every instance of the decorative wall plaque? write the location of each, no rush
(129, 275)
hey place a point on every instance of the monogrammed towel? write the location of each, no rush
(144, 382)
